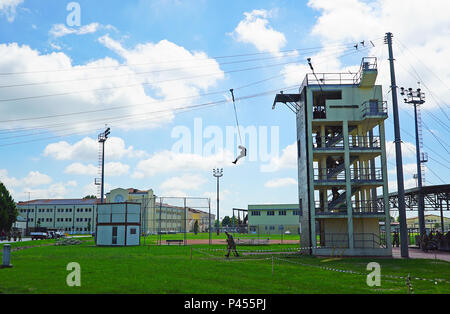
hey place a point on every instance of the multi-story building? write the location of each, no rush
(273, 218)
(158, 215)
(432, 222)
(342, 161)
(144, 197)
(70, 215)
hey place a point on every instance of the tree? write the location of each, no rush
(226, 221)
(8, 210)
(90, 197)
(196, 227)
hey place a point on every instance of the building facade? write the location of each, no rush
(274, 219)
(342, 162)
(144, 197)
(69, 215)
(432, 222)
(158, 215)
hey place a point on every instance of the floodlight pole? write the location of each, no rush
(102, 137)
(417, 98)
(218, 173)
(398, 155)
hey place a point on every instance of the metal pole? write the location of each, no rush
(160, 211)
(398, 155)
(218, 223)
(209, 220)
(419, 178)
(185, 222)
(103, 170)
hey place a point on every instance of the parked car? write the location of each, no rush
(39, 235)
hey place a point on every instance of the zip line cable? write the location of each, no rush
(181, 60)
(121, 118)
(439, 140)
(148, 72)
(147, 83)
(126, 106)
(419, 78)
(423, 63)
(427, 147)
(235, 115)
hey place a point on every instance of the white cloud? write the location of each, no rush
(281, 182)
(111, 169)
(184, 182)
(408, 150)
(287, 160)
(255, 30)
(132, 99)
(35, 178)
(8, 8)
(167, 161)
(8, 181)
(87, 149)
(60, 30)
(426, 39)
(81, 169)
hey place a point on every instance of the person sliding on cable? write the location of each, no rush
(242, 154)
(231, 245)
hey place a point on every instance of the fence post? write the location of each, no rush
(6, 256)
(272, 265)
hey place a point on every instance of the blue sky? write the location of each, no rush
(170, 49)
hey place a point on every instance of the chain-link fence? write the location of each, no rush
(177, 220)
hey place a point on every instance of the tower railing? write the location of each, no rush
(356, 174)
(367, 207)
(374, 107)
(355, 142)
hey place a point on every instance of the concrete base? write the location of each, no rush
(368, 252)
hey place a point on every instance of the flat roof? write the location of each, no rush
(273, 207)
(78, 201)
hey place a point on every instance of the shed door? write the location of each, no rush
(114, 235)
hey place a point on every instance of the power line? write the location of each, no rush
(183, 60)
(150, 83)
(122, 118)
(147, 103)
(150, 72)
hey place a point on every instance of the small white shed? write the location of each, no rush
(118, 224)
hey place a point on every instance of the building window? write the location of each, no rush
(296, 213)
(270, 213)
(256, 213)
(282, 213)
(133, 231)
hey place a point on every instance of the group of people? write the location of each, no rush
(15, 235)
(319, 112)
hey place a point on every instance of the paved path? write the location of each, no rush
(417, 253)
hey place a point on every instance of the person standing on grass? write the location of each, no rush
(395, 241)
(231, 245)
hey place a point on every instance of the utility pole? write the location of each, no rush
(102, 137)
(417, 98)
(218, 173)
(398, 155)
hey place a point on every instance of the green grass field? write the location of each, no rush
(40, 267)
